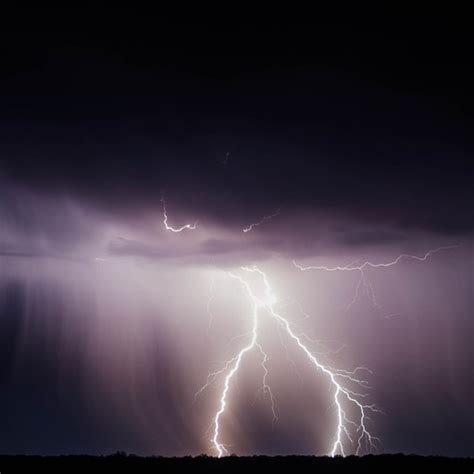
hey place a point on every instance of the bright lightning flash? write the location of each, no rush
(361, 268)
(341, 381)
(175, 229)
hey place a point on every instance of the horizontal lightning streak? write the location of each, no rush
(353, 267)
(363, 282)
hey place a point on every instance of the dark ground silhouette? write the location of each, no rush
(122, 462)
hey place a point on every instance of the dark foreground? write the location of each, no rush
(242, 465)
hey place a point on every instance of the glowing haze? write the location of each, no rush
(139, 319)
(304, 285)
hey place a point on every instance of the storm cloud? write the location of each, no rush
(110, 323)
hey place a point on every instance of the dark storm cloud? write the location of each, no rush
(13, 250)
(113, 125)
(363, 139)
(221, 246)
(369, 237)
(8, 249)
(126, 247)
(28, 216)
(212, 251)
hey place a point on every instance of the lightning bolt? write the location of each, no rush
(363, 283)
(261, 221)
(174, 229)
(341, 381)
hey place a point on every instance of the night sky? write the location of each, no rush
(357, 137)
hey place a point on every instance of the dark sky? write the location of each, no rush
(360, 134)
(311, 115)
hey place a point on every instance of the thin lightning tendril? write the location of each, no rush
(261, 221)
(341, 380)
(265, 387)
(175, 229)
